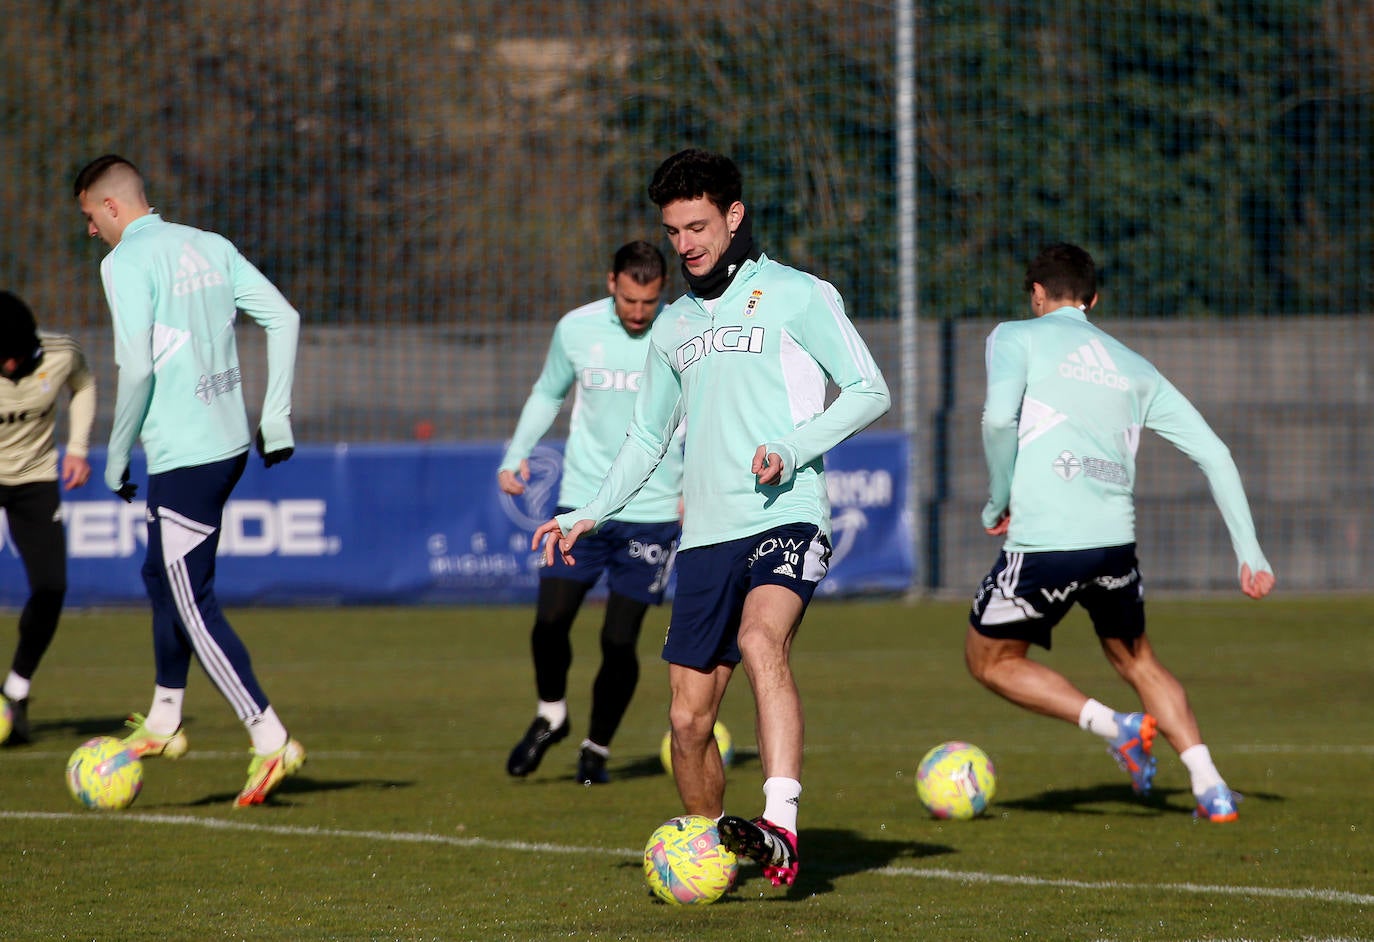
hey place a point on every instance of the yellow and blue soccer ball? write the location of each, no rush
(6, 719)
(956, 780)
(104, 774)
(685, 863)
(724, 743)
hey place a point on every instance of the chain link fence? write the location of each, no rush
(433, 184)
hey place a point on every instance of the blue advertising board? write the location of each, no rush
(424, 523)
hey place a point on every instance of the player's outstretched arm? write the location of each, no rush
(1257, 584)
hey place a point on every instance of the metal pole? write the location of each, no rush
(907, 297)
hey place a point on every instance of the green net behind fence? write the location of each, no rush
(432, 184)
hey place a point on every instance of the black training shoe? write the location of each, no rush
(763, 841)
(591, 767)
(529, 752)
(19, 719)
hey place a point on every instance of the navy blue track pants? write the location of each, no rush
(185, 507)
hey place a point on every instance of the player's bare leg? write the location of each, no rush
(767, 626)
(1165, 698)
(1161, 693)
(1002, 666)
(697, 766)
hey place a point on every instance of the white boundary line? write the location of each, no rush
(925, 873)
(196, 755)
(287, 830)
(964, 876)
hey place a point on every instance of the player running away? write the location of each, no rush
(1065, 406)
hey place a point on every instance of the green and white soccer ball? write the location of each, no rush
(956, 780)
(103, 774)
(685, 864)
(724, 743)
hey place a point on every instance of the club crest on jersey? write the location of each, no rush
(753, 302)
(1067, 465)
(730, 339)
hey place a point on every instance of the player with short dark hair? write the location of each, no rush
(598, 352)
(1065, 406)
(36, 368)
(174, 293)
(745, 357)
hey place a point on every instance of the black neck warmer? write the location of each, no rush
(26, 366)
(713, 284)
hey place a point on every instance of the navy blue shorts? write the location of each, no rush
(1027, 594)
(637, 558)
(712, 582)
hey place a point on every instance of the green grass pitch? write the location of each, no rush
(403, 824)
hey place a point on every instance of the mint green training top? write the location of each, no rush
(747, 369)
(174, 294)
(1061, 426)
(592, 354)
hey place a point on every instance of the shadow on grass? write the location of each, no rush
(1091, 799)
(1094, 800)
(552, 773)
(827, 854)
(77, 729)
(652, 766)
(303, 784)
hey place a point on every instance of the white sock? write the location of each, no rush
(1099, 719)
(780, 797)
(556, 712)
(603, 751)
(1198, 760)
(16, 687)
(164, 716)
(267, 732)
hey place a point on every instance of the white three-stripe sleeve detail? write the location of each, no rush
(858, 351)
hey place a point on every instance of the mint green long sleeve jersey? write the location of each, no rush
(1061, 427)
(750, 368)
(592, 354)
(174, 294)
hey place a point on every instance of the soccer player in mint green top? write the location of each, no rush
(174, 294)
(746, 358)
(1065, 407)
(597, 352)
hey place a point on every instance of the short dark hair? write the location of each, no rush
(641, 261)
(693, 173)
(1064, 271)
(18, 329)
(93, 171)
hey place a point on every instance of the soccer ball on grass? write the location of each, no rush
(724, 743)
(6, 718)
(104, 774)
(956, 780)
(685, 863)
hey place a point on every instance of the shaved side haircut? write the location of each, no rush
(110, 172)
